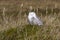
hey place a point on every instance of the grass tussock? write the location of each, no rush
(30, 32)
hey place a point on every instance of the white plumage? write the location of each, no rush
(33, 19)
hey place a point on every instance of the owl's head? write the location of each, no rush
(32, 14)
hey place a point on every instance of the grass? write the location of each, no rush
(14, 24)
(30, 33)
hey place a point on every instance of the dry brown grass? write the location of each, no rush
(14, 24)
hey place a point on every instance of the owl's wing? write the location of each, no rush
(38, 21)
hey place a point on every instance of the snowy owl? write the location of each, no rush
(33, 19)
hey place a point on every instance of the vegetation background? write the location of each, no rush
(14, 23)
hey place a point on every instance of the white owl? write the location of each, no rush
(33, 19)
